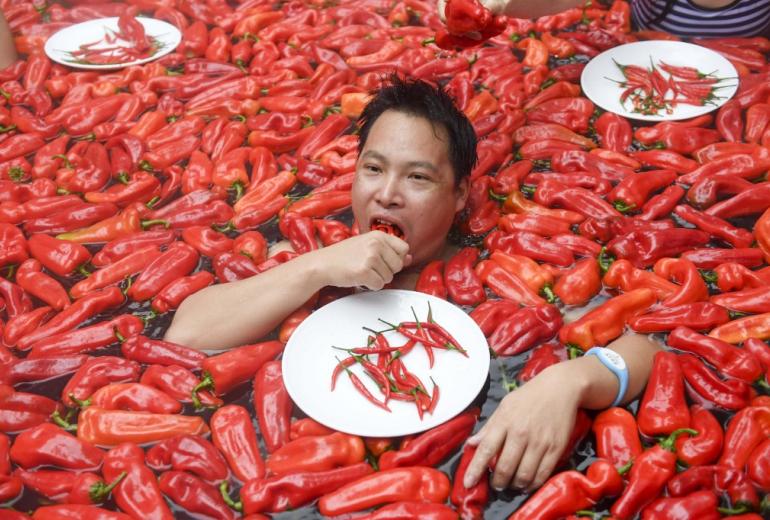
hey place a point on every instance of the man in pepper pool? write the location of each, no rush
(416, 154)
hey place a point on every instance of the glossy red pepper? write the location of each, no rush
(96, 373)
(234, 436)
(718, 479)
(189, 453)
(273, 405)
(663, 409)
(705, 447)
(704, 383)
(145, 350)
(47, 444)
(21, 411)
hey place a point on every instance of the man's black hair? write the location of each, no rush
(420, 99)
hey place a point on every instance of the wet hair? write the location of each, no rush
(420, 99)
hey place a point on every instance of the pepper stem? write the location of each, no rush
(625, 468)
(585, 512)
(734, 510)
(547, 291)
(154, 222)
(82, 403)
(668, 442)
(101, 490)
(622, 206)
(206, 383)
(60, 421)
(224, 489)
(82, 270)
(605, 260)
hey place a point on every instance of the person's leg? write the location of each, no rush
(7, 48)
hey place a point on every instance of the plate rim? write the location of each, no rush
(406, 431)
(661, 117)
(175, 39)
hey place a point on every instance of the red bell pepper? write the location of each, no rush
(178, 382)
(273, 405)
(700, 504)
(47, 444)
(138, 493)
(194, 495)
(551, 501)
(704, 448)
(121, 247)
(317, 453)
(234, 436)
(63, 486)
(189, 453)
(76, 511)
(31, 278)
(617, 439)
(58, 256)
(649, 474)
(399, 484)
(643, 248)
(525, 328)
(96, 373)
(757, 466)
(747, 429)
(21, 411)
(663, 409)
(154, 351)
(581, 283)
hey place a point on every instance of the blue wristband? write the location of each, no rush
(615, 363)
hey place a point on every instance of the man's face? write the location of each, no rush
(404, 178)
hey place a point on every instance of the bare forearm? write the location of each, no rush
(535, 9)
(227, 315)
(598, 386)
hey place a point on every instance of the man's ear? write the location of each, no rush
(461, 193)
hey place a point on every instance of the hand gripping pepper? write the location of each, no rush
(702, 316)
(718, 479)
(138, 494)
(189, 453)
(470, 502)
(617, 438)
(663, 408)
(570, 491)
(649, 474)
(606, 322)
(96, 373)
(524, 329)
(431, 447)
(394, 485)
(49, 445)
(234, 436)
(726, 358)
(704, 448)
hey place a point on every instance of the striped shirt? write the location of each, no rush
(684, 18)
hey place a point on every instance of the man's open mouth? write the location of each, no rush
(387, 227)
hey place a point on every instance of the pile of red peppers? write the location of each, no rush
(123, 192)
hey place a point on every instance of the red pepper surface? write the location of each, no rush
(194, 495)
(643, 248)
(728, 359)
(23, 324)
(96, 373)
(154, 351)
(172, 295)
(116, 249)
(716, 227)
(757, 467)
(681, 270)
(225, 371)
(273, 405)
(76, 512)
(663, 408)
(177, 261)
(614, 131)
(576, 199)
(462, 284)
(747, 429)
(606, 322)
(398, 484)
(178, 382)
(133, 397)
(741, 329)
(705, 384)
(570, 491)
(617, 438)
(32, 370)
(431, 280)
(633, 191)
(234, 436)
(189, 453)
(13, 245)
(285, 492)
(63, 486)
(525, 328)
(47, 444)
(58, 256)
(697, 316)
(316, 453)
(470, 502)
(31, 278)
(718, 479)
(138, 494)
(704, 448)
(649, 474)
(21, 411)
(114, 427)
(431, 447)
(699, 504)
(748, 300)
(581, 283)
(116, 272)
(88, 338)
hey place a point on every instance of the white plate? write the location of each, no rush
(606, 93)
(309, 361)
(59, 46)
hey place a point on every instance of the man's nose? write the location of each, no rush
(389, 191)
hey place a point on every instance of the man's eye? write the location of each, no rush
(419, 177)
(372, 168)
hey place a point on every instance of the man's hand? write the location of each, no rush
(369, 260)
(529, 430)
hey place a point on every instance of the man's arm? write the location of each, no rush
(227, 315)
(531, 427)
(522, 8)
